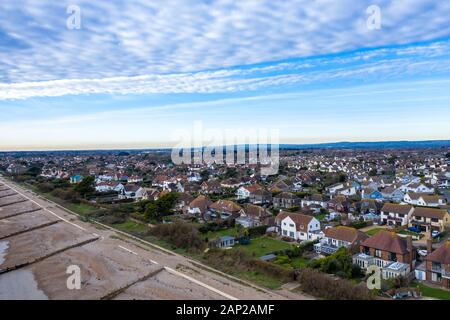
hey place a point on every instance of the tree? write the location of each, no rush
(86, 186)
(372, 172)
(447, 155)
(204, 174)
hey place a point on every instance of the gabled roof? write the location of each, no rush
(442, 254)
(345, 234)
(298, 218)
(396, 208)
(429, 213)
(387, 241)
(226, 206)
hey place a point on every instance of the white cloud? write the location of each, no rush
(129, 38)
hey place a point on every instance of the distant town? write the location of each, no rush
(323, 221)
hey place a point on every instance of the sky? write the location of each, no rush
(134, 74)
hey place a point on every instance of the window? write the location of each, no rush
(378, 253)
(284, 233)
(291, 225)
(291, 234)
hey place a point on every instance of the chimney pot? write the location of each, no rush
(429, 246)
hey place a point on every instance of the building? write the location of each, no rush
(254, 216)
(260, 196)
(337, 237)
(245, 191)
(225, 209)
(297, 226)
(430, 219)
(438, 265)
(393, 254)
(285, 200)
(199, 205)
(424, 200)
(396, 215)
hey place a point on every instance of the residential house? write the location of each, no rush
(438, 265)
(244, 191)
(132, 191)
(424, 199)
(337, 237)
(254, 216)
(297, 226)
(225, 242)
(430, 219)
(339, 203)
(396, 215)
(183, 201)
(108, 186)
(392, 193)
(199, 206)
(285, 200)
(317, 199)
(211, 187)
(369, 193)
(395, 255)
(261, 197)
(225, 209)
(76, 179)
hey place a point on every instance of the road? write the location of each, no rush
(39, 240)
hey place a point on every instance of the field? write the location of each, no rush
(434, 292)
(263, 245)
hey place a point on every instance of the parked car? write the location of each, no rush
(435, 233)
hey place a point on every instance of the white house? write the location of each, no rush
(244, 191)
(396, 214)
(424, 200)
(132, 191)
(297, 226)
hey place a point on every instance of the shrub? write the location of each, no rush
(180, 234)
(325, 286)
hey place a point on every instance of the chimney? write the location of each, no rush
(429, 246)
(409, 244)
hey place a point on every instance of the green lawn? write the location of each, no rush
(263, 245)
(434, 292)
(80, 208)
(374, 231)
(225, 232)
(132, 226)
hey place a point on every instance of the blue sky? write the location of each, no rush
(136, 71)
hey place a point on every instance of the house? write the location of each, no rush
(349, 189)
(339, 203)
(225, 209)
(424, 199)
(211, 186)
(225, 242)
(76, 179)
(369, 193)
(438, 265)
(340, 236)
(199, 206)
(297, 226)
(254, 216)
(279, 186)
(150, 194)
(285, 200)
(314, 199)
(135, 179)
(108, 186)
(260, 196)
(16, 169)
(183, 201)
(244, 191)
(392, 193)
(395, 255)
(333, 189)
(132, 191)
(231, 183)
(418, 188)
(430, 219)
(396, 214)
